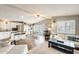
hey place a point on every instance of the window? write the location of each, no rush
(66, 27)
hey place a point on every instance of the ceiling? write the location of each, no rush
(26, 12)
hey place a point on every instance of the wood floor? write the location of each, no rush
(43, 49)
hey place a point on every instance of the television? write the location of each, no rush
(14, 29)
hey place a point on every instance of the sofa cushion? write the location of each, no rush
(58, 38)
(30, 43)
(76, 44)
(4, 50)
(18, 49)
(4, 43)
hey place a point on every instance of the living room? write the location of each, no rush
(23, 28)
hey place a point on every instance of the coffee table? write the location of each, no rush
(66, 44)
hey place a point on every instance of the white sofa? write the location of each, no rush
(4, 35)
(14, 49)
(6, 48)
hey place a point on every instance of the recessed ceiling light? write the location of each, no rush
(22, 17)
